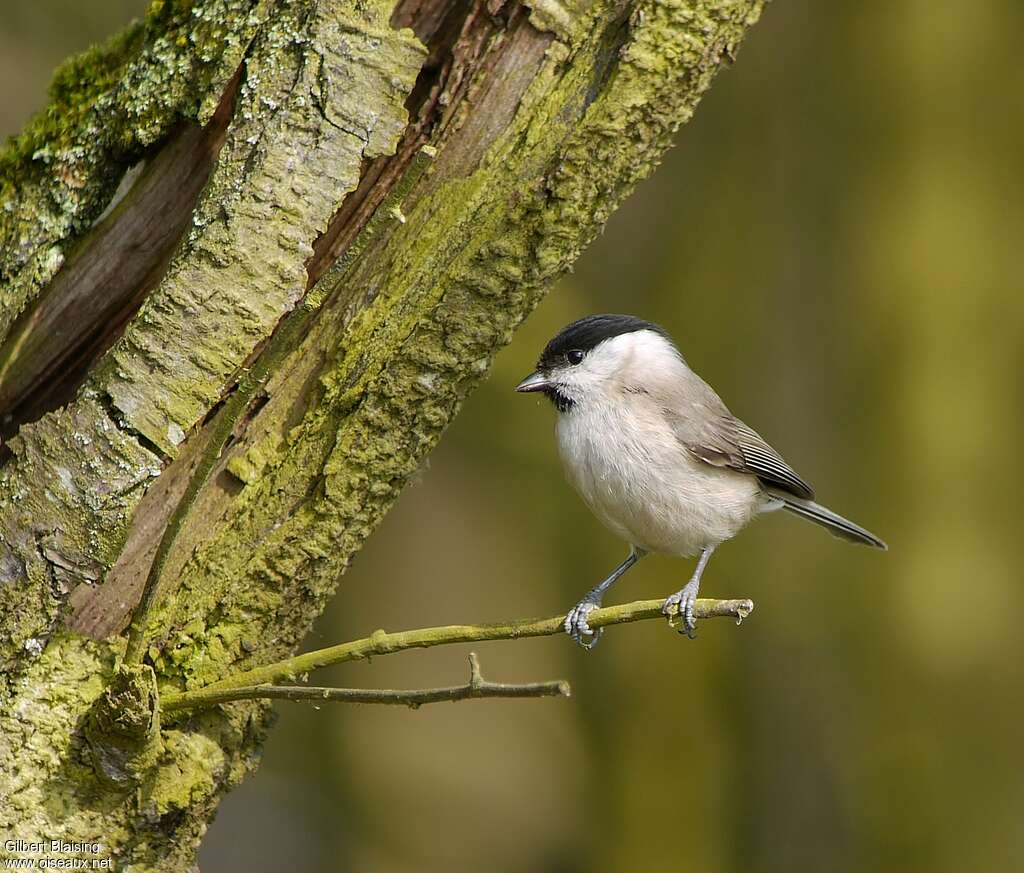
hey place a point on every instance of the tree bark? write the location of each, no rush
(414, 176)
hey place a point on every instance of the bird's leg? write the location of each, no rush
(682, 602)
(576, 621)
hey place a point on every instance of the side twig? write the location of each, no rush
(477, 687)
(383, 643)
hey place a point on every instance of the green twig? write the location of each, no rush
(383, 643)
(477, 687)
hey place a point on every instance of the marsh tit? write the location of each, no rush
(657, 456)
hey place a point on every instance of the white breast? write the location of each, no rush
(644, 486)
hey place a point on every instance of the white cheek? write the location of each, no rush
(582, 379)
(599, 368)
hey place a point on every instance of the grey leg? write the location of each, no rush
(684, 599)
(576, 621)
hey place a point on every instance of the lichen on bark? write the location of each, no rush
(108, 105)
(466, 166)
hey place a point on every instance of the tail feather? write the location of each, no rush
(834, 523)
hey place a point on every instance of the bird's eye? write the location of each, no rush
(574, 356)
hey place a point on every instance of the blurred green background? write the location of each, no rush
(835, 244)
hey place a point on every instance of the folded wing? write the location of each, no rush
(704, 425)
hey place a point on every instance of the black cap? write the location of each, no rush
(586, 333)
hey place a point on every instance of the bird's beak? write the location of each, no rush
(534, 382)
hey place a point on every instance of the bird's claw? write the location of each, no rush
(576, 625)
(681, 606)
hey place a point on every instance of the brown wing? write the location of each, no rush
(704, 425)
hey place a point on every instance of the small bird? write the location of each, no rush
(657, 456)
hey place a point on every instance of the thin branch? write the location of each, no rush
(477, 687)
(383, 643)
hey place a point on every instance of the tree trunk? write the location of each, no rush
(360, 201)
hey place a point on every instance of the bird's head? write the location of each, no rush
(599, 353)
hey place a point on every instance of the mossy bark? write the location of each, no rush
(415, 178)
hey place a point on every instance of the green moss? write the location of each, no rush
(77, 85)
(39, 735)
(247, 468)
(91, 779)
(108, 105)
(123, 727)
(186, 774)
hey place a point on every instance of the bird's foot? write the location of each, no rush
(576, 624)
(681, 606)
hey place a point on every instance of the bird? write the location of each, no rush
(658, 457)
